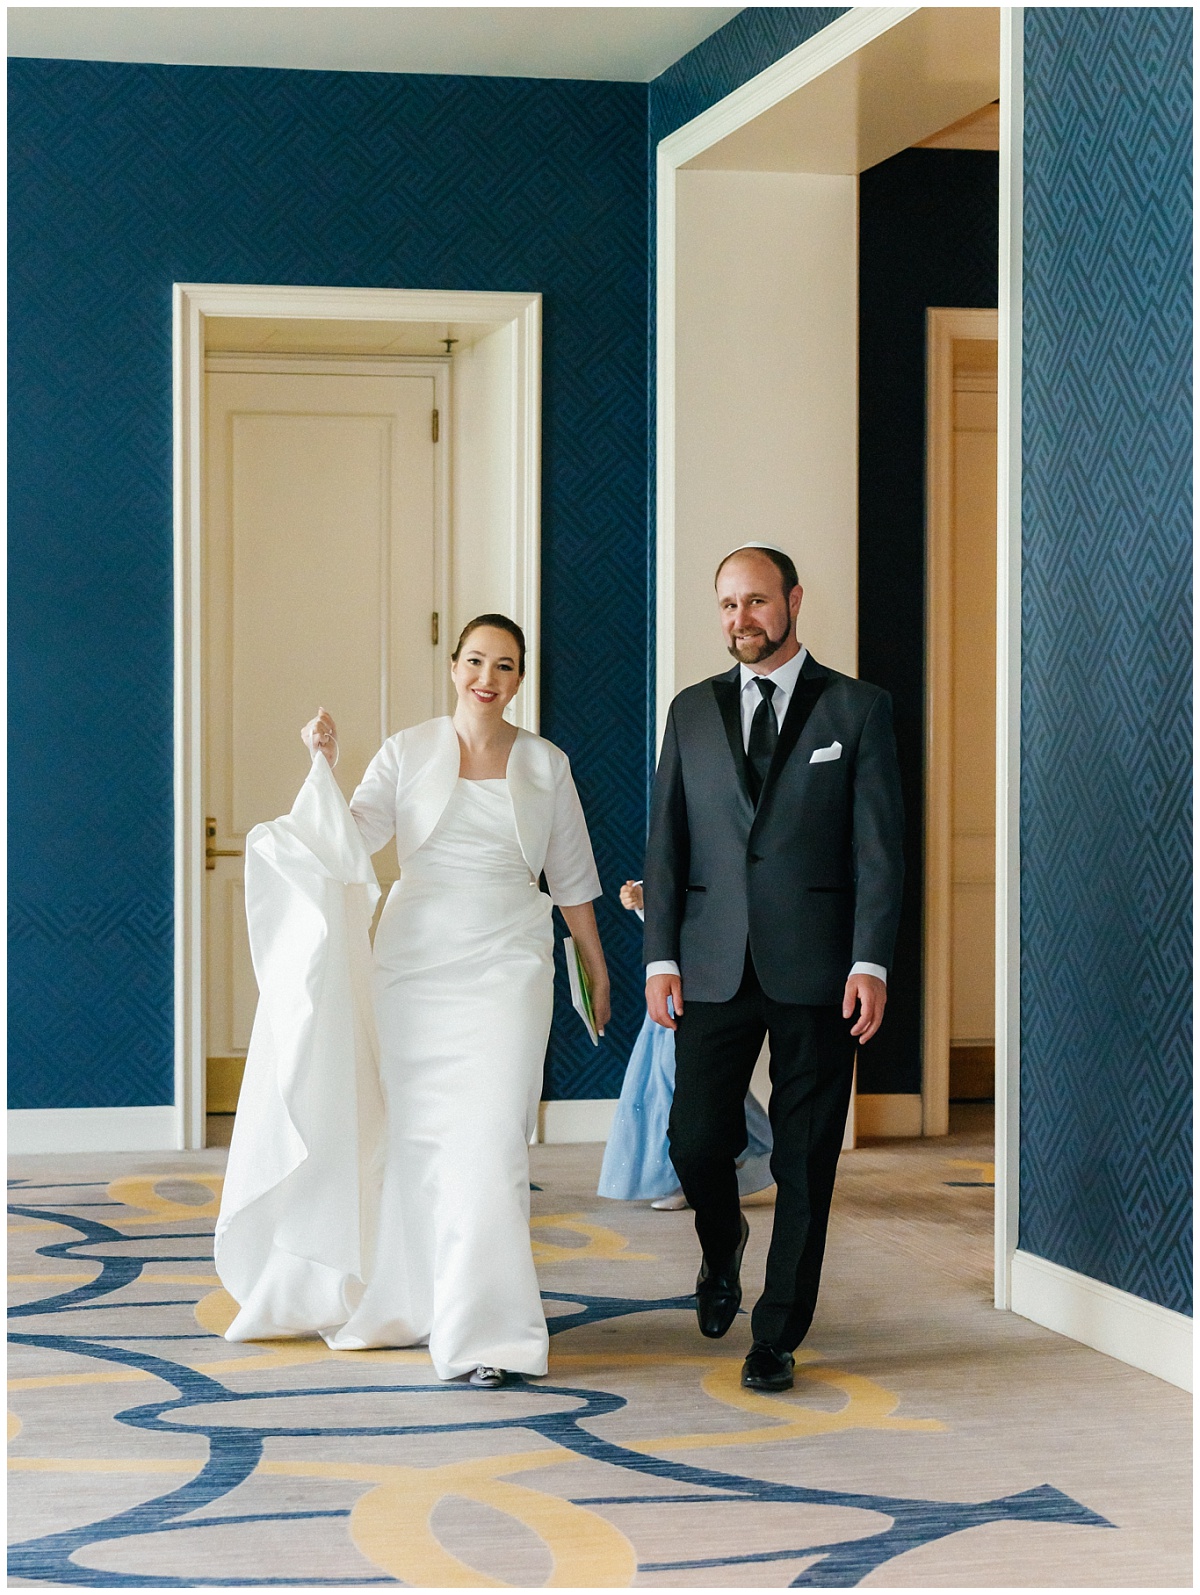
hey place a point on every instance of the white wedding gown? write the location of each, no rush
(463, 986)
(377, 1189)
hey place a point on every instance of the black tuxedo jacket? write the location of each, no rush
(811, 876)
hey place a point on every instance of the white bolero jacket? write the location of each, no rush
(410, 780)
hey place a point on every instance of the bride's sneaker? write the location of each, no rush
(489, 1378)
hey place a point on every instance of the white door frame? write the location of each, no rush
(1008, 652)
(832, 45)
(193, 302)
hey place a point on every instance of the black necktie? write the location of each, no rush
(764, 734)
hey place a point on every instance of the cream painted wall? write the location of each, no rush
(766, 406)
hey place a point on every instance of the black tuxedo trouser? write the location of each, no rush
(812, 1063)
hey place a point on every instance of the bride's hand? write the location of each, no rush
(320, 736)
(581, 922)
(601, 1002)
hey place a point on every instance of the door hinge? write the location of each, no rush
(434, 630)
(435, 426)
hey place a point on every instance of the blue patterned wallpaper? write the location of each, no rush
(1106, 1069)
(125, 179)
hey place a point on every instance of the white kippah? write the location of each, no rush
(773, 546)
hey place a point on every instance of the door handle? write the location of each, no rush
(211, 852)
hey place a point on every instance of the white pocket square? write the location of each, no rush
(826, 755)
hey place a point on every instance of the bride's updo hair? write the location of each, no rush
(500, 623)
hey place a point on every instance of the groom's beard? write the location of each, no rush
(754, 647)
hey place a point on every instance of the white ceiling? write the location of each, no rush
(632, 43)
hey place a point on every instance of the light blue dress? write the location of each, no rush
(637, 1165)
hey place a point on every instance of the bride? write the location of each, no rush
(433, 1191)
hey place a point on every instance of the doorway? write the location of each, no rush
(869, 85)
(326, 556)
(357, 473)
(960, 661)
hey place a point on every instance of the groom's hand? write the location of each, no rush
(869, 994)
(658, 989)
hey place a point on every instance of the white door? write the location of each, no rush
(322, 564)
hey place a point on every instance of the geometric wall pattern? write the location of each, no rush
(125, 179)
(86, 986)
(1106, 1055)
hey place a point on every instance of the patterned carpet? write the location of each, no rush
(930, 1441)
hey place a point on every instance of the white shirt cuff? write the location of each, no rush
(877, 970)
(669, 967)
(666, 966)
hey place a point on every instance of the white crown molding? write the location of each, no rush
(1135, 1331)
(608, 44)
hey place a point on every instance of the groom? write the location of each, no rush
(772, 894)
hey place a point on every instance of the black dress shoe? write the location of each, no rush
(768, 1368)
(719, 1292)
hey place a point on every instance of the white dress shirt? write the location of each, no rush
(785, 679)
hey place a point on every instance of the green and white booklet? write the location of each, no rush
(581, 989)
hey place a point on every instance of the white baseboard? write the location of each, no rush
(1139, 1332)
(887, 1115)
(561, 1122)
(93, 1129)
